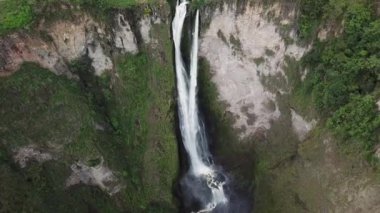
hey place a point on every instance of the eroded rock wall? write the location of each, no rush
(64, 41)
(243, 48)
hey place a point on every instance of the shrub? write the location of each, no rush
(14, 14)
(358, 120)
(310, 16)
(344, 74)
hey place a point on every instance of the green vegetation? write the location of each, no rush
(357, 120)
(310, 16)
(40, 108)
(60, 115)
(199, 3)
(344, 77)
(141, 113)
(125, 118)
(105, 4)
(18, 14)
(15, 14)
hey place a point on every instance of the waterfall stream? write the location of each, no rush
(203, 182)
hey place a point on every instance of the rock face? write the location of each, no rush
(66, 41)
(124, 37)
(70, 38)
(100, 62)
(242, 50)
(299, 170)
(82, 37)
(18, 48)
(145, 25)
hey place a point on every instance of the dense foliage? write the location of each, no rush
(344, 77)
(357, 120)
(310, 15)
(14, 14)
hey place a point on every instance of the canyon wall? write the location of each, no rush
(254, 54)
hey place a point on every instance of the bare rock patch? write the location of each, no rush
(29, 153)
(301, 126)
(100, 176)
(124, 37)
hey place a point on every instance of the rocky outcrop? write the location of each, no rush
(124, 37)
(65, 41)
(145, 25)
(19, 48)
(98, 175)
(82, 37)
(70, 38)
(301, 126)
(100, 62)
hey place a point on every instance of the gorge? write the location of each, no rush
(201, 106)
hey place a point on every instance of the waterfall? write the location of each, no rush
(191, 126)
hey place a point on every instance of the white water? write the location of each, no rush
(192, 129)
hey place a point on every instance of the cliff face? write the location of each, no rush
(245, 51)
(87, 113)
(254, 57)
(91, 123)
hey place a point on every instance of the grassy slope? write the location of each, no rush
(40, 108)
(141, 112)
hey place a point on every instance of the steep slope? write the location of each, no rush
(89, 126)
(254, 53)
